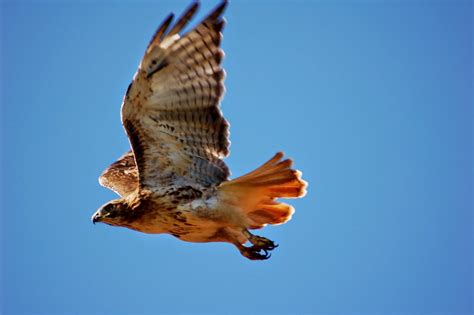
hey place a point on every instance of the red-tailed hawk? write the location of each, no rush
(174, 179)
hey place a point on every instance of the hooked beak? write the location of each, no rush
(95, 218)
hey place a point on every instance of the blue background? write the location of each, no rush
(373, 100)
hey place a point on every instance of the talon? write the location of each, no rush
(259, 243)
(262, 242)
(253, 253)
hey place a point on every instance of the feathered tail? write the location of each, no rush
(255, 192)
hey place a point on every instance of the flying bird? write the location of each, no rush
(174, 179)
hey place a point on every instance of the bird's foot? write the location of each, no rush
(259, 249)
(262, 242)
(254, 253)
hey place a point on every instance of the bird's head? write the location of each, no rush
(112, 213)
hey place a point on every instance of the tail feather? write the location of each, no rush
(255, 192)
(263, 169)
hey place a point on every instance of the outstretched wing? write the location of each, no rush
(121, 176)
(171, 110)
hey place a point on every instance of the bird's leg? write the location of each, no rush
(259, 244)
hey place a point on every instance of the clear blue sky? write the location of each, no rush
(372, 99)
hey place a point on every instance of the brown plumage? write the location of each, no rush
(174, 180)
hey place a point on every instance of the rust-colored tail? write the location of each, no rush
(255, 192)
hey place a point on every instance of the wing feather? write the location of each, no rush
(121, 176)
(172, 110)
(184, 19)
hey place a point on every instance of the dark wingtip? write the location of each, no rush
(157, 37)
(218, 10)
(185, 17)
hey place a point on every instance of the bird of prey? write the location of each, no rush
(174, 180)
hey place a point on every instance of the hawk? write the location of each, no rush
(174, 180)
